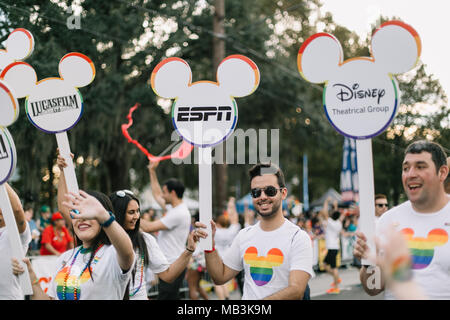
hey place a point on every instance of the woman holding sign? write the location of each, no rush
(9, 285)
(104, 259)
(148, 253)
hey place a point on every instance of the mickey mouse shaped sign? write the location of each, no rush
(19, 45)
(361, 95)
(205, 113)
(54, 105)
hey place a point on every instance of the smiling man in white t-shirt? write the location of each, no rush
(275, 254)
(173, 228)
(424, 220)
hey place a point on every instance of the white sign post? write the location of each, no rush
(54, 105)
(361, 96)
(205, 113)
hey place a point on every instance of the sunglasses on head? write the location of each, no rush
(122, 193)
(381, 205)
(270, 191)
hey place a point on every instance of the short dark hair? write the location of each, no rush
(335, 215)
(175, 185)
(380, 196)
(267, 168)
(438, 154)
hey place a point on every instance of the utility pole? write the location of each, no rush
(219, 170)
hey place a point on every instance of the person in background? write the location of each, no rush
(227, 229)
(173, 228)
(381, 205)
(332, 225)
(56, 239)
(35, 234)
(44, 218)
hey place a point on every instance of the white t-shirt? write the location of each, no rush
(268, 257)
(173, 241)
(427, 236)
(332, 232)
(9, 284)
(157, 263)
(224, 237)
(108, 283)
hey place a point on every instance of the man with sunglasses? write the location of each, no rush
(381, 205)
(275, 254)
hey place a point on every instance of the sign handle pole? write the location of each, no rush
(69, 171)
(366, 193)
(205, 194)
(14, 240)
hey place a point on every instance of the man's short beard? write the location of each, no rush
(271, 213)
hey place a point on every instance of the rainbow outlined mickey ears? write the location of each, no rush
(395, 49)
(19, 46)
(204, 112)
(361, 95)
(53, 104)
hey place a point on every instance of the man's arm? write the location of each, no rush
(19, 214)
(62, 190)
(152, 226)
(154, 183)
(218, 271)
(298, 280)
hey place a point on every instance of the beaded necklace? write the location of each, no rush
(142, 276)
(77, 281)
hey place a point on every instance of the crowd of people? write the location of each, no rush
(108, 241)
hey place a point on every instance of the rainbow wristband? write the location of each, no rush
(401, 269)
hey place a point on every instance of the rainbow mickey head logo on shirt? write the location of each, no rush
(261, 267)
(422, 249)
(360, 95)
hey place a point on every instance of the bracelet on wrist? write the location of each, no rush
(36, 281)
(209, 251)
(191, 251)
(108, 222)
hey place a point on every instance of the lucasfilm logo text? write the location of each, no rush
(204, 113)
(54, 105)
(3, 150)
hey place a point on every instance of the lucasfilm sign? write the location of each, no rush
(54, 105)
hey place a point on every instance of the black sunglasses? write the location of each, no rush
(381, 205)
(270, 191)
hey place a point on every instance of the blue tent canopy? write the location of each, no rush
(247, 200)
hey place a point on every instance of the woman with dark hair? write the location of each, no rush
(100, 266)
(148, 253)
